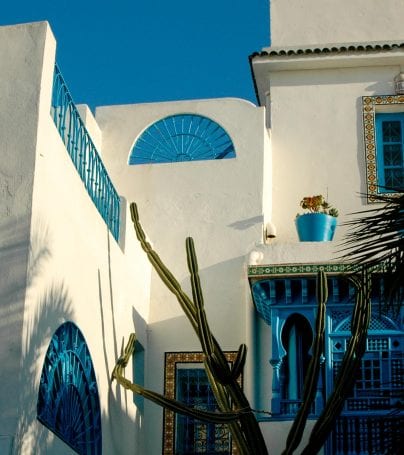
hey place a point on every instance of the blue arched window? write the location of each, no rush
(68, 401)
(297, 337)
(182, 137)
(371, 420)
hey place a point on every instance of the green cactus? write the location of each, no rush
(234, 407)
(235, 410)
(350, 365)
(118, 373)
(313, 370)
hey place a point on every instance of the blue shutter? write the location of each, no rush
(390, 150)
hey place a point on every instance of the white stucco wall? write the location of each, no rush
(294, 22)
(81, 275)
(219, 203)
(317, 139)
(22, 50)
(59, 261)
(314, 101)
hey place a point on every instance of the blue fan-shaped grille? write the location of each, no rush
(182, 137)
(68, 402)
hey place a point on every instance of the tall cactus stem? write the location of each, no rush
(310, 384)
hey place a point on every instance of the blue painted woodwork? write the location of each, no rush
(84, 155)
(373, 415)
(182, 137)
(68, 401)
(138, 373)
(372, 419)
(374, 433)
(297, 337)
(194, 436)
(315, 227)
(390, 150)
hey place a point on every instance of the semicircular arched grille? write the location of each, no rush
(376, 323)
(68, 401)
(182, 137)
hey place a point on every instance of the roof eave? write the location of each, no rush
(264, 63)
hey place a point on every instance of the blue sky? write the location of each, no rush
(133, 51)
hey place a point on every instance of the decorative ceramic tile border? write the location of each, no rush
(369, 108)
(171, 360)
(297, 269)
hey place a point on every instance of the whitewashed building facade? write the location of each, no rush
(74, 282)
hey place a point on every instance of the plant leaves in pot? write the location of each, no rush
(319, 223)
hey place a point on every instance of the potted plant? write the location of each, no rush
(319, 223)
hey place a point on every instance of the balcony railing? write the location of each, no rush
(84, 155)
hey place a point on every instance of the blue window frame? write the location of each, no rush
(138, 373)
(296, 337)
(288, 306)
(383, 140)
(390, 150)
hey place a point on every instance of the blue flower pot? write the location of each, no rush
(315, 227)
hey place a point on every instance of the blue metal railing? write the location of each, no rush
(84, 155)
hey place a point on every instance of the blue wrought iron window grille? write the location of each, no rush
(390, 150)
(194, 436)
(373, 418)
(182, 137)
(84, 154)
(68, 402)
(185, 380)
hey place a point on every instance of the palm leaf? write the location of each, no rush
(376, 240)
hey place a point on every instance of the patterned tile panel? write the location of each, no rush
(369, 108)
(171, 361)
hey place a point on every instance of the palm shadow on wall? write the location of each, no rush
(52, 307)
(123, 431)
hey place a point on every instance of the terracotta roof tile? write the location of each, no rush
(328, 49)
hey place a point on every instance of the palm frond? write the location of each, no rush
(376, 240)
